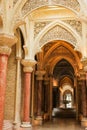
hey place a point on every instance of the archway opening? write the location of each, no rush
(64, 98)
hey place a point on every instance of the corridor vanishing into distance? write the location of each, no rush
(58, 124)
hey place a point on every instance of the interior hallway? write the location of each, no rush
(58, 124)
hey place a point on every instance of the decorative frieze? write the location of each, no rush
(31, 5)
(58, 33)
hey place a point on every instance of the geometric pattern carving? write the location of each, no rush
(57, 33)
(38, 26)
(75, 24)
(33, 4)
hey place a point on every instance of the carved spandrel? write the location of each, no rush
(58, 33)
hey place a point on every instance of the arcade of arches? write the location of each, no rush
(43, 61)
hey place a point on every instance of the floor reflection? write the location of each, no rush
(58, 124)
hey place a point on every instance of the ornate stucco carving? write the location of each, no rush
(76, 25)
(33, 4)
(39, 26)
(58, 33)
(15, 1)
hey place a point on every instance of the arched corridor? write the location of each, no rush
(43, 64)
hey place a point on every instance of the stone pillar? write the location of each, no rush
(47, 91)
(3, 74)
(17, 117)
(28, 64)
(84, 103)
(46, 83)
(39, 78)
(6, 41)
(51, 97)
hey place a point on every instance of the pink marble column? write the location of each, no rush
(27, 92)
(28, 64)
(3, 73)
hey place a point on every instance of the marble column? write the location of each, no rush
(84, 103)
(47, 91)
(39, 78)
(84, 98)
(6, 41)
(28, 64)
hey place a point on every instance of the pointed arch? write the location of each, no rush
(53, 24)
(66, 45)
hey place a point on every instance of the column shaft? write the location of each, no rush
(17, 119)
(3, 72)
(84, 99)
(39, 98)
(27, 84)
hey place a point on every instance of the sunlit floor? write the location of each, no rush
(58, 124)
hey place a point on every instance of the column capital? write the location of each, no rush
(5, 50)
(7, 40)
(82, 75)
(84, 62)
(40, 74)
(28, 65)
(46, 80)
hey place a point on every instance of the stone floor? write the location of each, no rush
(58, 124)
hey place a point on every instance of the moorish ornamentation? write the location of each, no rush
(39, 26)
(76, 25)
(58, 33)
(31, 5)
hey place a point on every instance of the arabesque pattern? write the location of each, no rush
(31, 5)
(58, 33)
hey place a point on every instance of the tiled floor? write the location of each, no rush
(58, 124)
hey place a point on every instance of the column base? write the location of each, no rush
(26, 124)
(84, 122)
(16, 124)
(46, 116)
(38, 120)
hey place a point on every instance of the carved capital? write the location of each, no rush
(84, 62)
(82, 75)
(28, 65)
(5, 50)
(46, 80)
(7, 40)
(40, 74)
